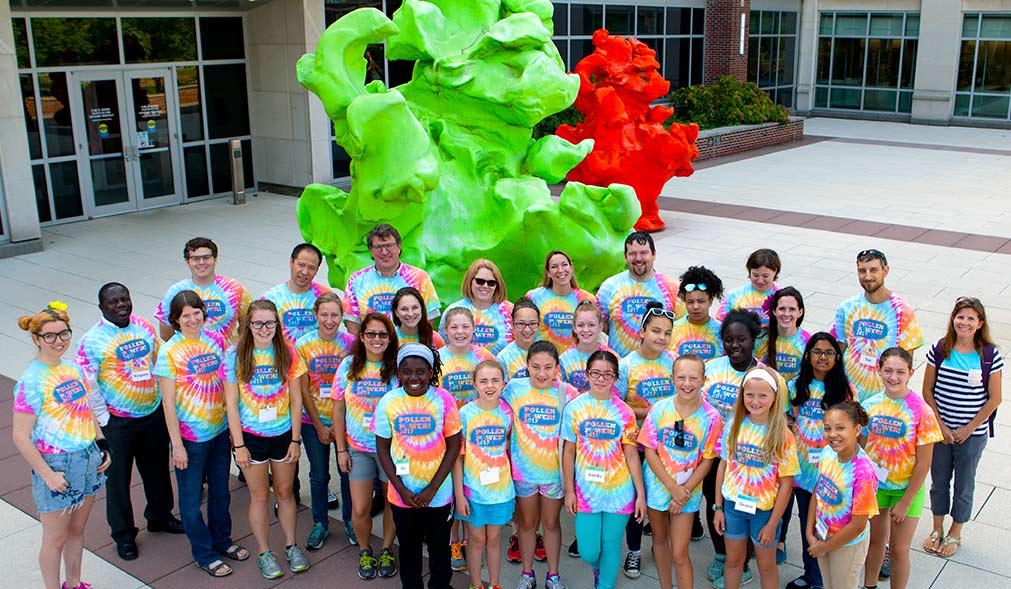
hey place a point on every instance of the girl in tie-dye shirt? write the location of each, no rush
(763, 268)
(557, 298)
(526, 320)
(485, 295)
(697, 333)
(460, 356)
(586, 326)
(782, 349)
(645, 373)
(601, 469)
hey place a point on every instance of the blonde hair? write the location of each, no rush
(467, 286)
(54, 311)
(328, 297)
(776, 429)
(453, 312)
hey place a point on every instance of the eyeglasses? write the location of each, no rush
(485, 282)
(658, 312)
(263, 324)
(694, 287)
(50, 337)
(607, 375)
(202, 258)
(679, 439)
(873, 253)
(378, 247)
(376, 335)
(823, 353)
(526, 324)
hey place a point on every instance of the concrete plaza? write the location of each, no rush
(933, 199)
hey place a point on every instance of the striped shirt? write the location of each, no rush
(958, 390)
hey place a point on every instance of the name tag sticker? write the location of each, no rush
(403, 468)
(489, 476)
(814, 455)
(882, 473)
(268, 414)
(746, 504)
(975, 377)
(594, 474)
(869, 359)
(682, 477)
(324, 391)
(140, 375)
(821, 529)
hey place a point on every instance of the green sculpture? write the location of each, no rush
(448, 158)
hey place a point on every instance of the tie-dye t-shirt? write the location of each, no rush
(493, 327)
(368, 291)
(747, 298)
(437, 341)
(573, 364)
(867, 330)
(458, 372)
(600, 429)
(642, 382)
(417, 428)
(810, 433)
(264, 399)
(702, 340)
(322, 358)
(296, 310)
(789, 353)
(58, 398)
(748, 474)
(556, 314)
(537, 420)
(119, 362)
(699, 436)
(723, 384)
(485, 449)
(514, 360)
(200, 400)
(845, 489)
(896, 428)
(360, 397)
(622, 300)
(225, 301)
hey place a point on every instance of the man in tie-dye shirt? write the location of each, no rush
(622, 298)
(295, 298)
(372, 289)
(225, 299)
(117, 355)
(869, 323)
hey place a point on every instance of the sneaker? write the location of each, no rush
(457, 560)
(574, 549)
(332, 501)
(780, 555)
(366, 565)
(539, 554)
(317, 537)
(698, 532)
(83, 585)
(387, 564)
(715, 570)
(746, 578)
(349, 531)
(632, 566)
(647, 530)
(268, 565)
(800, 582)
(553, 582)
(527, 582)
(886, 566)
(297, 561)
(513, 552)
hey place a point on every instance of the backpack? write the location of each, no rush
(986, 363)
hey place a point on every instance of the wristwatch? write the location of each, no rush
(717, 508)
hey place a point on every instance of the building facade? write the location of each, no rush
(113, 106)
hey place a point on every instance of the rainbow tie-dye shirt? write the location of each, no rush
(556, 314)
(58, 398)
(417, 428)
(200, 401)
(225, 300)
(845, 489)
(895, 429)
(642, 382)
(370, 292)
(573, 364)
(493, 327)
(119, 362)
(702, 340)
(722, 386)
(360, 397)
(867, 330)
(747, 298)
(600, 429)
(485, 449)
(322, 358)
(458, 372)
(622, 300)
(810, 432)
(263, 399)
(295, 310)
(700, 433)
(537, 421)
(789, 353)
(748, 473)
(514, 360)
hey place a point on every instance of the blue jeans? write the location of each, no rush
(319, 478)
(811, 570)
(211, 460)
(599, 536)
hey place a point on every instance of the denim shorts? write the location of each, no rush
(365, 467)
(80, 469)
(741, 525)
(548, 491)
(489, 514)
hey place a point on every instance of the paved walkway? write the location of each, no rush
(937, 179)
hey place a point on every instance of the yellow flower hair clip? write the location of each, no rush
(57, 306)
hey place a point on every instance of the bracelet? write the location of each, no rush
(345, 451)
(296, 441)
(239, 446)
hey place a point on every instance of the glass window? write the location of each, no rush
(905, 102)
(995, 107)
(847, 98)
(195, 163)
(883, 59)
(334, 9)
(886, 25)
(21, 42)
(993, 67)
(66, 190)
(851, 24)
(912, 25)
(148, 40)
(678, 62)
(341, 161)
(848, 62)
(788, 23)
(620, 20)
(970, 27)
(563, 51)
(962, 105)
(765, 57)
(226, 101)
(909, 62)
(995, 27)
(56, 118)
(649, 20)
(31, 116)
(754, 22)
(788, 56)
(41, 193)
(753, 65)
(967, 57)
(221, 37)
(825, 26)
(191, 117)
(221, 166)
(656, 44)
(880, 100)
(560, 18)
(578, 49)
(375, 57)
(821, 97)
(697, 53)
(769, 22)
(698, 21)
(584, 19)
(824, 60)
(75, 41)
(679, 21)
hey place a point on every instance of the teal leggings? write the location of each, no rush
(600, 536)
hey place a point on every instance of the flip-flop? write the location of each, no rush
(235, 551)
(932, 543)
(949, 540)
(213, 569)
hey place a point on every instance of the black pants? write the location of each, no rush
(417, 526)
(143, 440)
(633, 529)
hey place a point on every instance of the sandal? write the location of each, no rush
(949, 540)
(932, 543)
(236, 552)
(217, 569)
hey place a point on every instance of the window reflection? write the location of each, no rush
(56, 118)
(31, 116)
(191, 118)
(74, 41)
(147, 40)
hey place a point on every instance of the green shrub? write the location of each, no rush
(726, 103)
(569, 116)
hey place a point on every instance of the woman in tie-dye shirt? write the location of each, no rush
(784, 345)
(411, 319)
(56, 433)
(697, 333)
(601, 468)
(484, 294)
(763, 268)
(557, 298)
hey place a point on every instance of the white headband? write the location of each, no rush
(762, 375)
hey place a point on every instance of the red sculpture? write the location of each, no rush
(618, 81)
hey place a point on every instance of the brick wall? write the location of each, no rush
(723, 37)
(730, 140)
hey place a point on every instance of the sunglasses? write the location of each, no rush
(657, 312)
(873, 253)
(972, 300)
(679, 439)
(375, 335)
(486, 282)
(694, 287)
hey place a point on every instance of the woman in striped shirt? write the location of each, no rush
(962, 384)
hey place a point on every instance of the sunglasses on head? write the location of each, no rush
(694, 287)
(658, 312)
(873, 253)
(972, 300)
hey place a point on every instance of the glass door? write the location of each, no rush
(151, 100)
(103, 142)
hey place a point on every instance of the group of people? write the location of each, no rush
(626, 408)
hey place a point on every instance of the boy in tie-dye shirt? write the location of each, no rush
(225, 301)
(295, 309)
(701, 340)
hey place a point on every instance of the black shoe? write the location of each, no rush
(169, 526)
(574, 549)
(127, 550)
(378, 504)
(647, 530)
(800, 582)
(698, 532)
